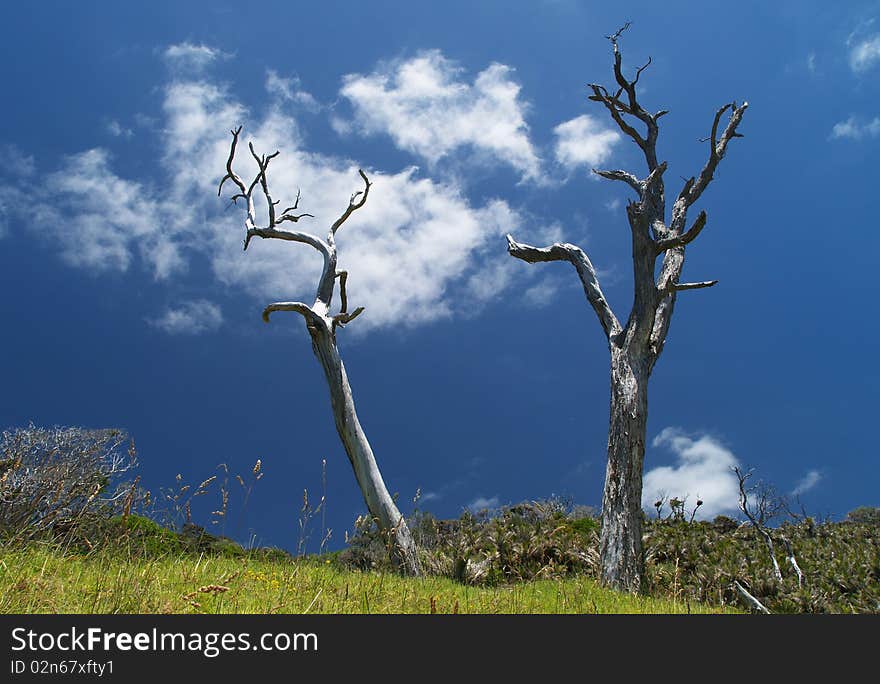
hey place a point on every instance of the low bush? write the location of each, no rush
(51, 478)
(535, 539)
(687, 561)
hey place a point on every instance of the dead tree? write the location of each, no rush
(757, 523)
(758, 520)
(322, 327)
(636, 345)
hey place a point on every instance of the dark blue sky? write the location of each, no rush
(128, 301)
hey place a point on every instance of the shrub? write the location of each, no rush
(51, 477)
(864, 515)
(701, 560)
(525, 541)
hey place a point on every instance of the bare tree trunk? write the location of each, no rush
(620, 551)
(379, 502)
(636, 346)
(322, 327)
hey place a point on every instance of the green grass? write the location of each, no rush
(43, 578)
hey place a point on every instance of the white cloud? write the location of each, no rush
(856, 129)
(5, 211)
(117, 130)
(481, 503)
(409, 251)
(430, 496)
(190, 318)
(18, 166)
(429, 110)
(807, 482)
(811, 62)
(290, 90)
(702, 469)
(583, 141)
(865, 53)
(16, 162)
(613, 205)
(415, 251)
(97, 219)
(186, 56)
(541, 293)
(496, 272)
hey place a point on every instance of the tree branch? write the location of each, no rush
(340, 319)
(317, 314)
(685, 238)
(649, 142)
(304, 309)
(615, 107)
(343, 278)
(624, 176)
(744, 507)
(269, 231)
(230, 174)
(654, 177)
(577, 258)
(692, 191)
(678, 287)
(642, 187)
(751, 600)
(246, 193)
(352, 205)
(287, 216)
(792, 560)
(290, 236)
(263, 163)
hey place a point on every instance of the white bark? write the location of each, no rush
(322, 326)
(751, 600)
(635, 347)
(792, 560)
(762, 530)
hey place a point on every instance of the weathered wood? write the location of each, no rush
(751, 600)
(636, 346)
(322, 327)
(620, 544)
(757, 524)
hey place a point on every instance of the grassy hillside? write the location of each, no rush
(535, 557)
(69, 542)
(42, 578)
(685, 561)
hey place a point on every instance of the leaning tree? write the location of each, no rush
(636, 345)
(322, 326)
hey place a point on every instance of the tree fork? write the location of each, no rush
(635, 347)
(322, 327)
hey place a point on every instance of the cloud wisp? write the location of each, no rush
(290, 90)
(855, 128)
(864, 54)
(189, 318)
(189, 57)
(807, 482)
(482, 503)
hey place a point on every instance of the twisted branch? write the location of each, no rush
(744, 507)
(318, 313)
(352, 205)
(303, 309)
(584, 267)
(694, 187)
(685, 238)
(624, 176)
